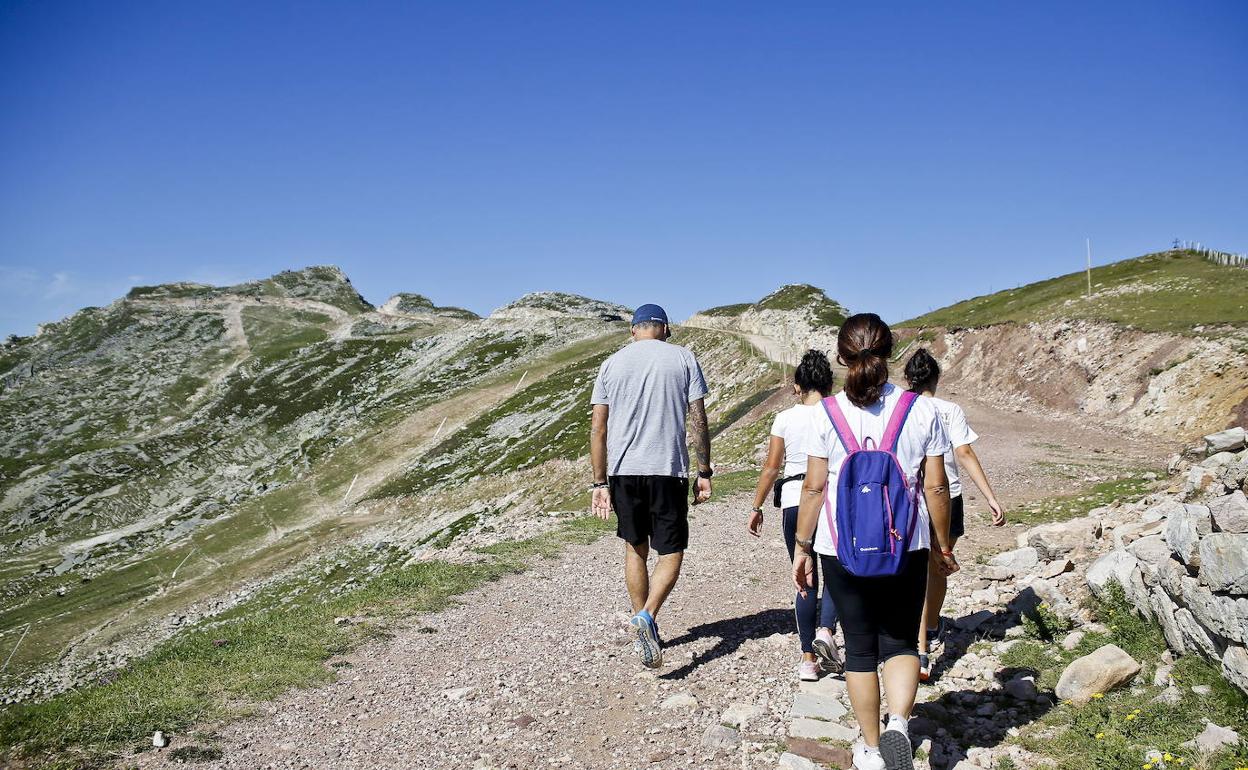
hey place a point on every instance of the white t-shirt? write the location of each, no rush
(953, 420)
(794, 426)
(922, 436)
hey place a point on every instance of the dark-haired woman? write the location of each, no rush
(923, 375)
(786, 454)
(879, 615)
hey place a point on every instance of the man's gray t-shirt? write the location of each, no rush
(647, 386)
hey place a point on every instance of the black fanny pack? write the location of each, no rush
(775, 499)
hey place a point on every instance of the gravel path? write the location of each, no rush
(537, 670)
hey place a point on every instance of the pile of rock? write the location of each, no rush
(1183, 561)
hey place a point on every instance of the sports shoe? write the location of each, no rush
(936, 636)
(895, 746)
(925, 668)
(867, 758)
(647, 645)
(808, 671)
(829, 656)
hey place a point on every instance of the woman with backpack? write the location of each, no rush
(782, 475)
(923, 375)
(878, 451)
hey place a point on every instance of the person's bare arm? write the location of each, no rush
(936, 493)
(700, 433)
(970, 462)
(807, 520)
(600, 499)
(766, 481)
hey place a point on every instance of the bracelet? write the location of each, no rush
(806, 544)
(599, 484)
(943, 552)
(757, 509)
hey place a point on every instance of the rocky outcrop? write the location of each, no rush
(549, 305)
(794, 317)
(1164, 384)
(1193, 578)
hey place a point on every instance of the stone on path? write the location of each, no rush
(817, 707)
(796, 762)
(833, 756)
(1016, 562)
(740, 714)
(829, 686)
(817, 729)
(680, 702)
(1224, 562)
(720, 737)
(1099, 671)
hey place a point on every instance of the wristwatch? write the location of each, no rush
(599, 485)
(806, 544)
(706, 474)
(757, 509)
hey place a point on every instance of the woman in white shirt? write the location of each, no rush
(879, 615)
(782, 475)
(923, 375)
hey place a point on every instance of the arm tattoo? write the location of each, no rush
(701, 434)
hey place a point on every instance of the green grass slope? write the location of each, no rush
(1172, 291)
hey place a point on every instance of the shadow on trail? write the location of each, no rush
(731, 633)
(981, 626)
(958, 713)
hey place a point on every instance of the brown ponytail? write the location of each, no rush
(865, 344)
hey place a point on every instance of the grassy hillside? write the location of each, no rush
(800, 297)
(1172, 291)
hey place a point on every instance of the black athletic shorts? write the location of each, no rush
(957, 517)
(654, 507)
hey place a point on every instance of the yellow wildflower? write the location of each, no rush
(1130, 717)
(1100, 736)
(1098, 695)
(1167, 757)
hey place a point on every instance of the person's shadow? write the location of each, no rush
(730, 634)
(983, 625)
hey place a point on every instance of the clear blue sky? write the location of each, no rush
(691, 154)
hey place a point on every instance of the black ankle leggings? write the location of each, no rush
(879, 615)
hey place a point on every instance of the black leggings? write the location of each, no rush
(879, 615)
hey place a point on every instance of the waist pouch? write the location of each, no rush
(775, 499)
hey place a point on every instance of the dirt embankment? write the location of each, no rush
(1161, 384)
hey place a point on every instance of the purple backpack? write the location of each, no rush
(876, 511)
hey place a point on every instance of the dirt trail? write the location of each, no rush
(537, 670)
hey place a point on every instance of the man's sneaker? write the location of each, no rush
(647, 646)
(866, 758)
(829, 656)
(925, 668)
(895, 745)
(808, 671)
(936, 636)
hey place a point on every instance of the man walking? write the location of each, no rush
(642, 396)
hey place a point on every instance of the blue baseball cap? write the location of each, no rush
(649, 313)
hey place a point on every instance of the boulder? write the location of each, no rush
(1150, 550)
(1018, 561)
(1224, 562)
(1115, 566)
(1100, 671)
(1219, 460)
(1056, 567)
(1235, 666)
(1184, 530)
(1229, 440)
(1202, 481)
(1230, 513)
(1060, 538)
(1129, 533)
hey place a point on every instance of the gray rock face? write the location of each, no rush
(1115, 566)
(1060, 538)
(1163, 612)
(1195, 636)
(1100, 671)
(1230, 513)
(1224, 562)
(1235, 667)
(1184, 530)
(1225, 616)
(1230, 440)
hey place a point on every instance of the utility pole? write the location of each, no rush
(1089, 244)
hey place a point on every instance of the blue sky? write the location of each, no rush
(901, 155)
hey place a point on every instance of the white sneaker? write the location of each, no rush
(808, 671)
(895, 746)
(867, 758)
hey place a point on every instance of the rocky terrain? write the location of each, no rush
(785, 323)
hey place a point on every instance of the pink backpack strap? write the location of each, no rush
(841, 425)
(897, 420)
